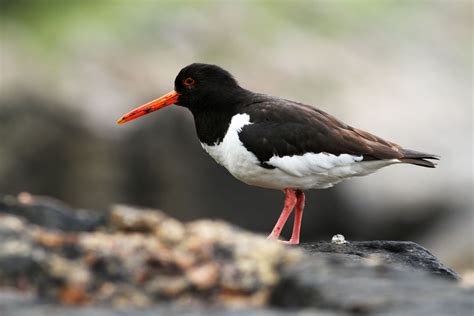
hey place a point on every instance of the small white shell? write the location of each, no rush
(338, 239)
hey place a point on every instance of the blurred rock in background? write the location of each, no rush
(47, 148)
(69, 69)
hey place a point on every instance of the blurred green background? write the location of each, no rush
(399, 69)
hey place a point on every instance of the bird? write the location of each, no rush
(275, 143)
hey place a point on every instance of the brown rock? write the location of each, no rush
(169, 287)
(205, 276)
(128, 218)
(53, 239)
(73, 296)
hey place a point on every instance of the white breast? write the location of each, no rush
(230, 152)
(308, 171)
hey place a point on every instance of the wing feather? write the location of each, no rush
(285, 128)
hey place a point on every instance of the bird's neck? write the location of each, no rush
(212, 120)
(212, 125)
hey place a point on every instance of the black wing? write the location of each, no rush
(285, 128)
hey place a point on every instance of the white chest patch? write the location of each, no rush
(230, 152)
(308, 171)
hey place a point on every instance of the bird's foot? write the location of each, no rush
(287, 242)
(290, 242)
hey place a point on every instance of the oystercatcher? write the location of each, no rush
(276, 143)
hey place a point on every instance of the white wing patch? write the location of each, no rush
(312, 163)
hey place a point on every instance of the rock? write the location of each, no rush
(127, 218)
(404, 254)
(141, 257)
(50, 213)
(48, 146)
(19, 258)
(15, 304)
(131, 257)
(355, 283)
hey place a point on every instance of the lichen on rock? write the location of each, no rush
(143, 256)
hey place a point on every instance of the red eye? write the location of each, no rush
(189, 82)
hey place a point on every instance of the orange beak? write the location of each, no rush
(167, 99)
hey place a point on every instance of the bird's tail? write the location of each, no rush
(418, 158)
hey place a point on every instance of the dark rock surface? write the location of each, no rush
(369, 286)
(50, 213)
(132, 261)
(402, 254)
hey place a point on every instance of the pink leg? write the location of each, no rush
(290, 201)
(295, 236)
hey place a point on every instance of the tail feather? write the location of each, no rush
(418, 158)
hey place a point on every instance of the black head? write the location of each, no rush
(204, 85)
(198, 87)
